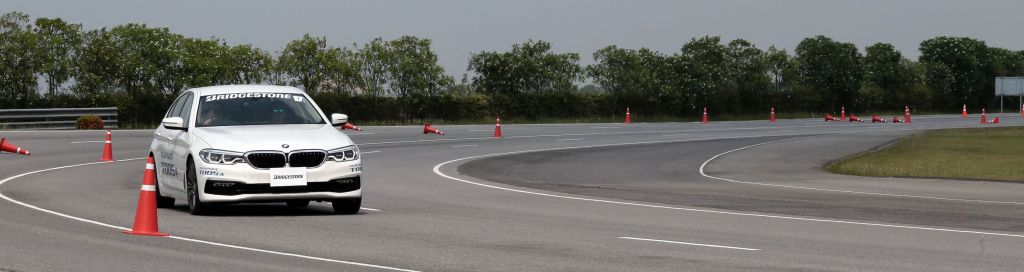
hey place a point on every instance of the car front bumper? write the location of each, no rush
(243, 183)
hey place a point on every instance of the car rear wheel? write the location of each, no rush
(163, 201)
(347, 206)
(195, 205)
(298, 203)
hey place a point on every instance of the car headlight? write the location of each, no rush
(221, 156)
(348, 153)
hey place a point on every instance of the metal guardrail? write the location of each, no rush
(56, 118)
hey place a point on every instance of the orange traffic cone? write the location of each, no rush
(906, 114)
(8, 147)
(497, 126)
(145, 214)
(896, 119)
(995, 120)
(965, 111)
(705, 118)
(842, 113)
(771, 118)
(854, 118)
(628, 119)
(829, 117)
(429, 129)
(877, 119)
(1021, 110)
(108, 152)
(984, 119)
(349, 125)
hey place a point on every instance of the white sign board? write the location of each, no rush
(1006, 86)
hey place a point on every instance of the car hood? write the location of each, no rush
(272, 137)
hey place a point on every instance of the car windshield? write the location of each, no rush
(243, 109)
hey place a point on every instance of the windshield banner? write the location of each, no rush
(297, 98)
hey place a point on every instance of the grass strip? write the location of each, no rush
(979, 154)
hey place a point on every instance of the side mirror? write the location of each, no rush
(336, 119)
(174, 123)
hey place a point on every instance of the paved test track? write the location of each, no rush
(603, 197)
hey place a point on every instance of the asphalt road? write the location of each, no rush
(580, 197)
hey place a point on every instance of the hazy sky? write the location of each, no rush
(459, 28)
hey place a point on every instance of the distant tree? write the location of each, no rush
(530, 68)
(307, 62)
(134, 57)
(343, 75)
(748, 76)
(830, 68)
(248, 64)
(374, 58)
(58, 45)
(702, 70)
(888, 77)
(780, 70)
(414, 68)
(96, 71)
(616, 70)
(957, 70)
(18, 60)
(205, 63)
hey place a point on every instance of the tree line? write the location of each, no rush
(48, 62)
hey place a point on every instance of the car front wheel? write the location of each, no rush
(347, 206)
(195, 205)
(297, 203)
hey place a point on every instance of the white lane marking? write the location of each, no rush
(370, 152)
(467, 145)
(600, 133)
(361, 133)
(369, 209)
(573, 139)
(172, 237)
(437, 170)
(82, 142)
(604, 127)
(671, 135)
(703, 173)
(290, 254)
(480, 130)
(687, 243)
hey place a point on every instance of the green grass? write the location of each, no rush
(981, 153)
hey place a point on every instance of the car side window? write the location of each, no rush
(176, 108)
(186, 109)
(175, 105)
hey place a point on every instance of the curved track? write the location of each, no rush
(590, 197)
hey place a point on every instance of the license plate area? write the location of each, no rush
(289, 176)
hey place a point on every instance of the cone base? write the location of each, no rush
(145, 233)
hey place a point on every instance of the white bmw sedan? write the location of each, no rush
(252, 143)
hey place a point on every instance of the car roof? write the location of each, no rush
(227, 89)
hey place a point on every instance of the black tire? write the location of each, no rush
(297, 204)
(163, 201)
(195, 205)
(347, 206)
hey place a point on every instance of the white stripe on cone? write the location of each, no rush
(149, 188)
(149, 166)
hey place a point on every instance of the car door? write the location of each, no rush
(166, 169)
(181, 141)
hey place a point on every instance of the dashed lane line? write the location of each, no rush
(689, 243)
